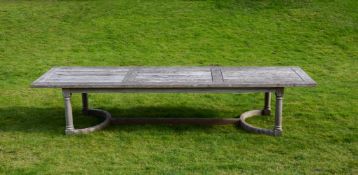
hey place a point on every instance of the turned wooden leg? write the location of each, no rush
(267, 107)
(68, 112)
(278, 112)
(85, 103)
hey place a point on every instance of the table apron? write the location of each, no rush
(171, 90)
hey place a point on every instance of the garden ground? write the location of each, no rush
(320, 126)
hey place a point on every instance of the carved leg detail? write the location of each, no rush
(278, 112)
(68, 112)
(267, 107)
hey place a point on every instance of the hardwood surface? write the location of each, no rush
(173, 77)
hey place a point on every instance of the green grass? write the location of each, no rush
(320, 124)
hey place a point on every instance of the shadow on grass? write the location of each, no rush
(51, 120)
(256, 5)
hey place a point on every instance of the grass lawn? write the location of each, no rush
(320, 124)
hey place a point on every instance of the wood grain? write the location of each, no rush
(173, 77)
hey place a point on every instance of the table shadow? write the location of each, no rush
(51, 120)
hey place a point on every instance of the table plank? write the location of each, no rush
(173, 77)
(217, 75)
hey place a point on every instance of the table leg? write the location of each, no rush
(277, 130)
(68, 112)
(267, 107)
(278, 113)
(85, 103)
(70, 129)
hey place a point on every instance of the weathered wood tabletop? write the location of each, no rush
(173, 77)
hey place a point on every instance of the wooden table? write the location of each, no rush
(86, 80)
